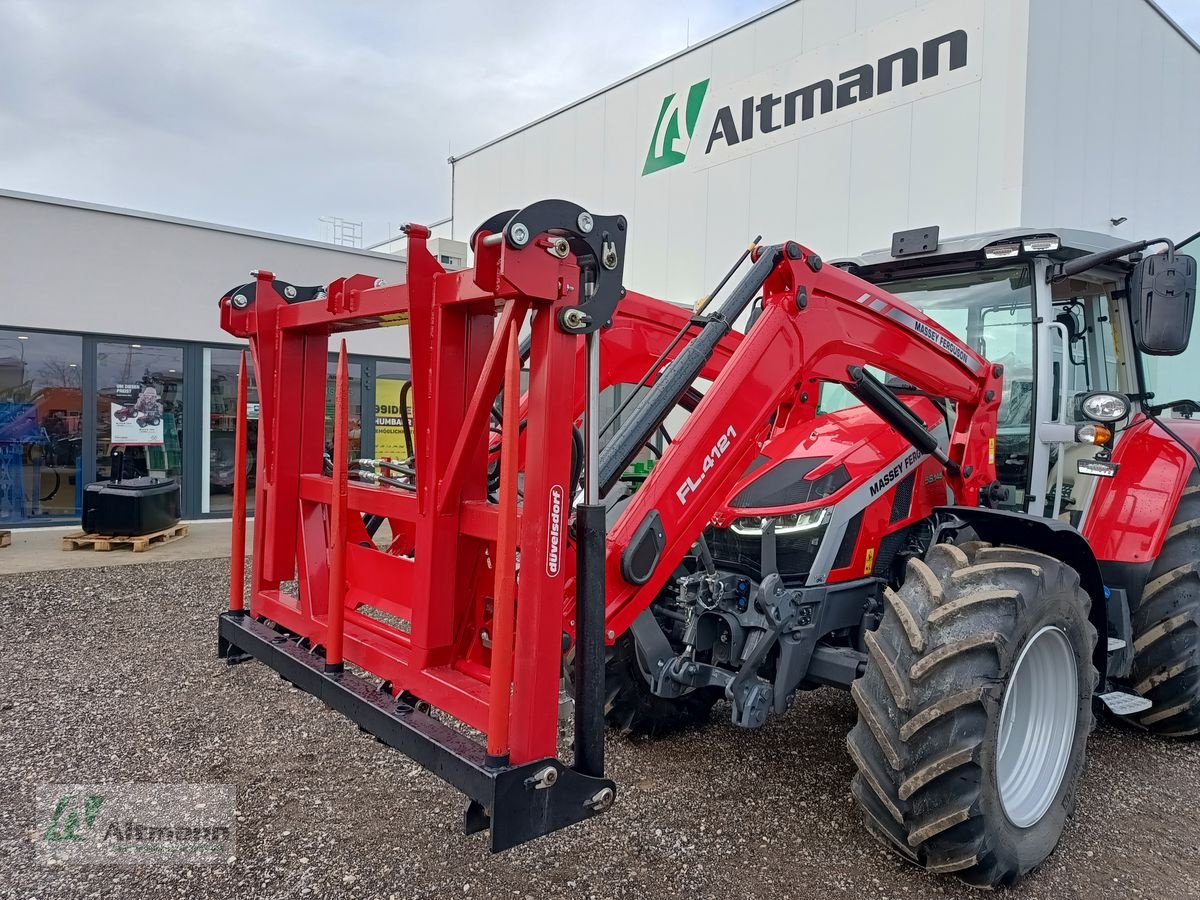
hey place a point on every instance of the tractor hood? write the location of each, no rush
(816, 464)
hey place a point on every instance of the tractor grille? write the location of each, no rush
(794, 553)
(902, 500)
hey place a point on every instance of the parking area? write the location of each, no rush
(110, 675)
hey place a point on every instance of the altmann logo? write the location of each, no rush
(554, 533)
(767, 112)
(667, 131)
(854, 86)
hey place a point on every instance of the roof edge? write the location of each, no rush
(1167, 18)
(442, 221)
(188, 223)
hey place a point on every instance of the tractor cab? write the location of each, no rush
(1060, 310)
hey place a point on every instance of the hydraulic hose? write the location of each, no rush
(680, 373)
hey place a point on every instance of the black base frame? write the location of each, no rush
(518, 803)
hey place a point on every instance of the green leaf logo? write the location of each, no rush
(674, 125)
(68, 829)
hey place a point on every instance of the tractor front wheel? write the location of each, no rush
(631, 708)
(1166, 627)
(974, 711)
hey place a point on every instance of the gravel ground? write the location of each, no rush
(110, 675)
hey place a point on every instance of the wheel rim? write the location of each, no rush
(1037, 726)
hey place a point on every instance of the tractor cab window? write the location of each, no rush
(1086, 355)
(992, 311)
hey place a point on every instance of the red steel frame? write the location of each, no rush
(450, 571)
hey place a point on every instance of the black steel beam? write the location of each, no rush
(518, 803)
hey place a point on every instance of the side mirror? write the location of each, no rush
(1162, 298)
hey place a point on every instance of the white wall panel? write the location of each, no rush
(774, 196)
(1109, 108)
(90, 270)
(687, 238)
(778, 37)
(729, 221)
(823, 191)
(826, 21)
(1001, 126)
(880, 157)
(944, 169)
(872, 12)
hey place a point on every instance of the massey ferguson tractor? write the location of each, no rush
(935, 477)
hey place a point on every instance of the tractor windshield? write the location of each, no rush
(992, 311)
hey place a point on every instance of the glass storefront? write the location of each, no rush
(221, 375)
(68, 401)
(390, 439)
(354, 370)
(40, 427)
(139, 410)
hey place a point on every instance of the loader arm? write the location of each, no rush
(818, 324)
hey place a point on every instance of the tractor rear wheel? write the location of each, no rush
(974, 711)
(631, 708)
(1166, 627)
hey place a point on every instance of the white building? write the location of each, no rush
(839, 122)
(98, 303)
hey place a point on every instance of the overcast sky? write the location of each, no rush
(268, 114)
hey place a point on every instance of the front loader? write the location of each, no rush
(773, 546)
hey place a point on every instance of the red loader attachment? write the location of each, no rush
(456, 632)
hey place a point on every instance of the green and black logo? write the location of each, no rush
(71, 814)
(675, 124)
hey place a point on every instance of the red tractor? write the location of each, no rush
(851, 501)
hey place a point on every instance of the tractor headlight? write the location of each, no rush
(1102, 406)
(788, 523)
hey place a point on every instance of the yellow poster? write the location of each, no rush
(389, 428)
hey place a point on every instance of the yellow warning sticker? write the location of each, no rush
(991, 451)
(870, 561)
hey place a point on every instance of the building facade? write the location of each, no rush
(839, 122)
(110, 341)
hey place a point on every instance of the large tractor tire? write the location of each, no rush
(631, 708)
(1166, 627)
(975, 710)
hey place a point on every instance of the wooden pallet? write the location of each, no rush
(140, 543)
(5, 538)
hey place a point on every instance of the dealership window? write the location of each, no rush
(390, 439)
(139, 409)
(40, 427)
(220, 372)
(354, 370)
